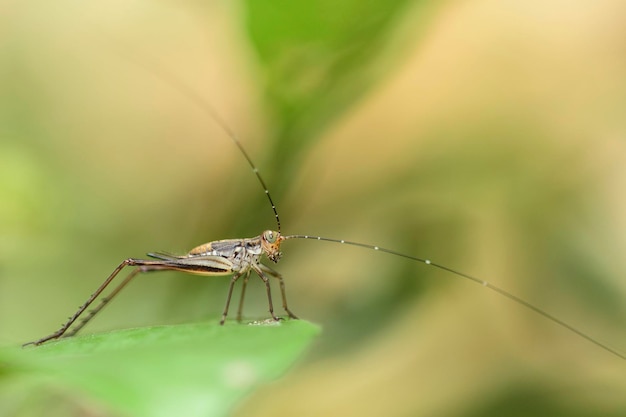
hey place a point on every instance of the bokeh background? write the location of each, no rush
(488, 136)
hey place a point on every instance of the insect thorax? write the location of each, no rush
(242, 253)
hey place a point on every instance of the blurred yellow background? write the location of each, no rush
(487, 136)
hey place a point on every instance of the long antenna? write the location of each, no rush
(169, 78)
(185, 89)
(479, 281)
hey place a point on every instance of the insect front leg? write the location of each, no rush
(266, 280)
(278, 276)
(261, 270)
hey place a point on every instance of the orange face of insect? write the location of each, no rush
(270, 242)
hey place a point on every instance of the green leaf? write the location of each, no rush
(201, 369)
(318, 57)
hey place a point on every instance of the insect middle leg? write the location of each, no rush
(243, 294)
(230, 294)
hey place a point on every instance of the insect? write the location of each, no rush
(239, 258)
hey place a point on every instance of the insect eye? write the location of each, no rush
(270, 236)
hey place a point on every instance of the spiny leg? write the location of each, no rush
(230, 293)
(106, 300)
(277, 275)
(144, 266)
(103, 302)
(243, 293)
(82, 308)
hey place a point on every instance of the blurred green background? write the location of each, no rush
(487, 136)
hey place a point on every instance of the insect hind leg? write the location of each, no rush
(149, 267)
(142, 266)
